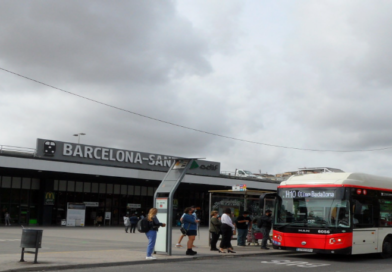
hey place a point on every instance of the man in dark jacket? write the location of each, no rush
(133, 220)
(243, 224)
(265, 224)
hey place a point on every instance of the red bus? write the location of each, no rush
(334, 213)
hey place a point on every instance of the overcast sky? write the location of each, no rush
(304, 74)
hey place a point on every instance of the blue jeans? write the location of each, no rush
(152, 237)
(241, 237)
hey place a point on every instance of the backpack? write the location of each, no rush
(143, 225)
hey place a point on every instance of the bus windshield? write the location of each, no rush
(312, 207)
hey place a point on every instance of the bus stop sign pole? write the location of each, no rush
(163, 202)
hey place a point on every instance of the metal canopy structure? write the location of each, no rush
(163, 202)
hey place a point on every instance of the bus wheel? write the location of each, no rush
(386, 248)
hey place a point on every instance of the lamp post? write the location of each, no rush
(78, 135)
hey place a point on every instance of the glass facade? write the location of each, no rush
(23, 197)
(107, 197)
(20, 198)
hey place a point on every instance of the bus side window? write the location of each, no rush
(385, 211)
(363, 213)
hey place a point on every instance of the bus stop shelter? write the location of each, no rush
(256, 202)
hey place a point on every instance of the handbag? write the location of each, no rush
(258, 235)
(184, 231)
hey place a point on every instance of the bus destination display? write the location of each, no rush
(308, 193)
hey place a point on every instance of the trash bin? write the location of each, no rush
(31, 238)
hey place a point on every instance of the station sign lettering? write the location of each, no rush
(107, 154)
(80, 153)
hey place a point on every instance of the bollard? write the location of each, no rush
(31, 238)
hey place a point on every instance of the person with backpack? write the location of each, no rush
(151, 234)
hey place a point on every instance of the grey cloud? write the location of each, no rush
(314, 78)
(333, 78)
(100, 42)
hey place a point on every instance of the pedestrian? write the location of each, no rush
(127, 222)
(182, 235)
(190, 224)
(215, 226)
(99, 220)
(265, 224)
(152, 233)
(142, 215)
(7, 219)
(227, 230)
(133, 220)
(243, 225)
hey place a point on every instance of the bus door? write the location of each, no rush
(267, 202)
(365, 233)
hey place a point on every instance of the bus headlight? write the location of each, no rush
(277, 240)
(335, 241)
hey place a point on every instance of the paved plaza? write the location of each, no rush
(64, 247)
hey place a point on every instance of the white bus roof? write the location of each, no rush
(343, 179)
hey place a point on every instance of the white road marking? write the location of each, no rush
(294, 263)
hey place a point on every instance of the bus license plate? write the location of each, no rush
(305, 249)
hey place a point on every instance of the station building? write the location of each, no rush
(36, 184)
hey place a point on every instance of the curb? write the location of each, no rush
(81, 266)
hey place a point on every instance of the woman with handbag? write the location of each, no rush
(228, 230)
(190, 225)
(215, 226)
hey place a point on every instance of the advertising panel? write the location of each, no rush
(134, 206)
(161, 203)
(49, 198)
(239, 187)
(76, 213)
(108, 215)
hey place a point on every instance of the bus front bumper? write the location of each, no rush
(341, 251)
